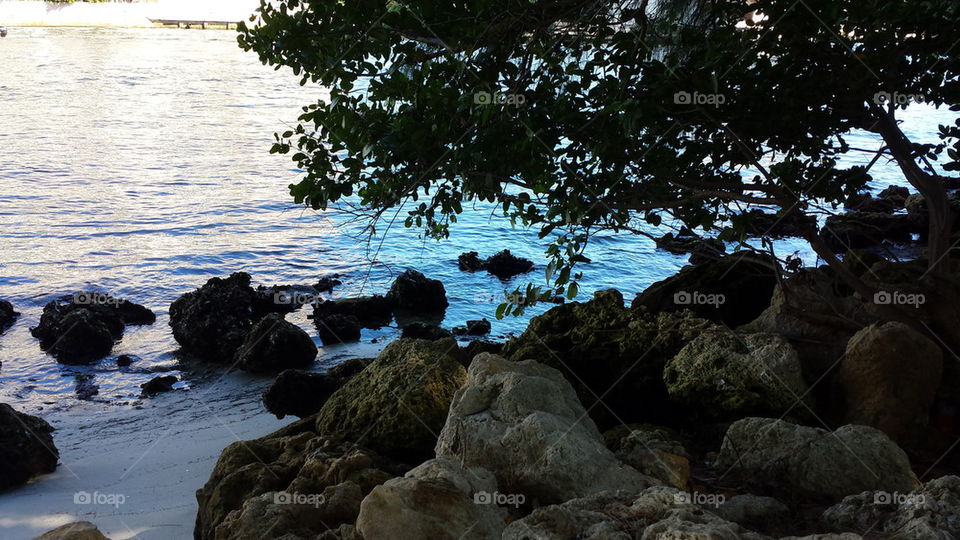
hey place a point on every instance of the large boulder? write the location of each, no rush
(371, 311)
(888, 379)
(523, 422)
(653, 450)
(274, 344)
(78, 530)
(26, 447)
(439, 499)
(292, 481)
(213, 321)
(653, 514)
(301, 393)
(7, 315)
(398, 404)
(505, 265)
(731, 290)
(414, 292)
(777, 456)
(929, 513)
(725, 374)
(605, 349)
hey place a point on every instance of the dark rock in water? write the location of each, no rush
(327, 283)
(864, 202)
(125, 360)
(412, 291)
(605, 349)
(897, 195)
(213, 321)
(157, 385)
(135, 314)
(505, 265)
(759, 223)
(7, 315)
(866, 229)
(26, 447)
(470, 262)
(733, 290)
(301, 393)
(336, 328)
(420, 330)
(685, 241)
(274, 344)
(478, 346)
(86, 389)
(372, 311)
(474, 328)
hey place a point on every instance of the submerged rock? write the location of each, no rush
(26, 447)
(399, 402)
(419, 330)
(414, 292)
(301, 393)
(371, 311)
(470, 262)
(522, 421)
(327, 283)
(474, 328)
(785, 458)
(7, 315)
(274, 344)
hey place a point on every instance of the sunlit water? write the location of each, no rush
(135, 162)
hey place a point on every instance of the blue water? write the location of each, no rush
(136, 162)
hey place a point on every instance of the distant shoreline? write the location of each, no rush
(40, 14)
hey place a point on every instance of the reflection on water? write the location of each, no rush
(135, 162)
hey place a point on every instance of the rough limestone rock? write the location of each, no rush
(930, 513)
(889, 378)
(301, 393)
(778, 456)
(213, 321)
(745, 284)
(335, 329)
(605, 349)
(657, 513)
(7, 315)
(655, 451)
(414, 292)
(274, 344)
(439, 499)
(371, 311)
(419, 330)
(725, 374)
(276, 482)
(26, 447)
(505, 265)
(79, 530)
(398, 404)
(523, 422)
(753, 511)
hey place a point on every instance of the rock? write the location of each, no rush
(864, 202)
(439, 499)
(275, 344)
(157, 385)
(605, 349)
(78, 530)
(733, 290)
(654, 451)
(7, 315)
(478, 346)
(77, 335)
(505, 265)
(474, 328)
(523, 422)
(125, 360)
(685, 241)
(897, 195)
(866, 229)
(827, 536)
(814, 463)
(419, 330)
(414, 292)
(653, 514)
(371, 311)
(327, 283)
(213, 321)
(753, 511)
(26, 447)
(301, 394)
(86, 388)
(758, 223)
(293, 481)
(470, 262)
(723, 374)
(889, 377)
(929, 513)
(398, 404)
(336, 329)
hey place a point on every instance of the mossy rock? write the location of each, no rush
(399, 403)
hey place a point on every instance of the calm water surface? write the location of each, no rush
(136, 162)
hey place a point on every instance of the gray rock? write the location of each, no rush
(275, 344)
(78, 530)
(781, 457)
(523, 422)
(753, 511)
